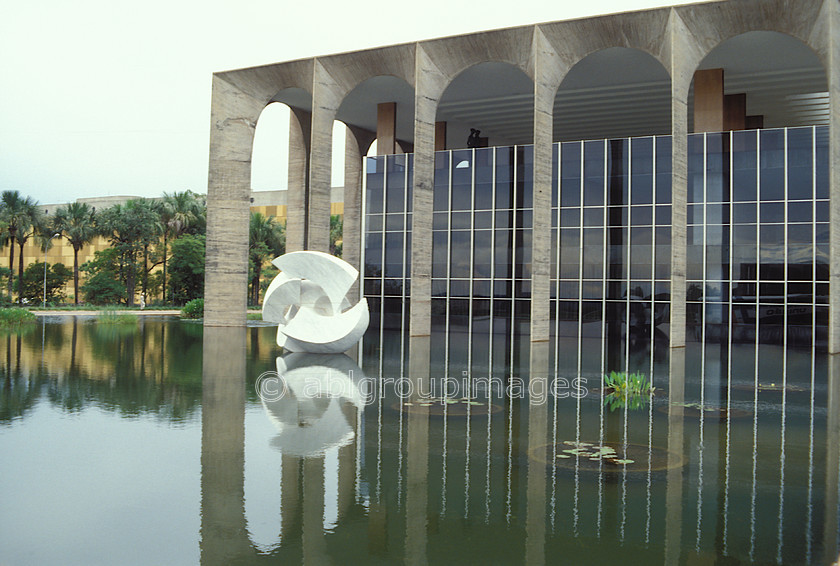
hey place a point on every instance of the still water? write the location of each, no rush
(149, 444)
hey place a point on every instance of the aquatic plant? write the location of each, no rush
(14, 317)
(115, 316)
(630, 390)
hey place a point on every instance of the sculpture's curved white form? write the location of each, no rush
(308, 300)
(311, 415)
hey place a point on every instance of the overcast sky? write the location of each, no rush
(105, 97)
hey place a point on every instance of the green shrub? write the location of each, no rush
(193, 309)
(15, 316)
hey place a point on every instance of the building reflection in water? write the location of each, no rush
(367, 474)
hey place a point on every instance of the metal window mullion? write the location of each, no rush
(363, 229)
(513, 255)
(627, 258)
(604, 265)
(492, 259)
(405, 251)
(580, 266)
(450, 174)
(472, 261)
(704, 316)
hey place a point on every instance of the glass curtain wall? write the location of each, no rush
(757, 258)
(611, 249)
(387, 253)
(757, 252)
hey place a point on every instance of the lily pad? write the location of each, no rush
(624, 461)
(562, 456)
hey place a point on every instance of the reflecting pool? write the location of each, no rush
(167, 443)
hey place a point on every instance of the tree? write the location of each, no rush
(336, 234)
(181, 213)
(103, 284)
(33, 282)
(76, 222)
(14, 211)
(267, 238)
(130, 228)
(187, 268)
(31, 224)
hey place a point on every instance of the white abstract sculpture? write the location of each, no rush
(319, 392)
(308, 300)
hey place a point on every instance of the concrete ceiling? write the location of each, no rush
(615, 92)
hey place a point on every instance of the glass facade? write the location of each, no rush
(757, 250)
(757, 253)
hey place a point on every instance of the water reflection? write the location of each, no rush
(320, 399)
(338, 471)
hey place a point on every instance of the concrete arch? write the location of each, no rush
(358, 109)
(450, 57)
(299, 102)
(613, 92)
(789, 89)
(570, 42)
(710, 25)
(494, 97)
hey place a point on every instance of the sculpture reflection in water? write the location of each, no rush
(318, 396)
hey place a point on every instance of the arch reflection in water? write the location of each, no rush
(311, 415)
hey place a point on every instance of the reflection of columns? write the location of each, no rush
(537, 437)
(234, 119)
(429, 83)
(290, 479)
(224, 536)
(546, 82)
(325, 100)
(417, 457)
(300, 123)
(832, 461)
(314, 551)
(676, 436)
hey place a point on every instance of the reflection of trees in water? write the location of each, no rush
(119, 368)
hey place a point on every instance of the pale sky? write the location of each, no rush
(106, 97)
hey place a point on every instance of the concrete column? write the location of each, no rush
(233, 121)
(708, 100)
(429, 83)
(386, 128)
(683, 57)
(440, 136)
(299, 141)
(324, 105)
(734, 112)
(547, 80)
(833, 70)
(355, 146)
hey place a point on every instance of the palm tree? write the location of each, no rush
(180, 213)
(14, 210)
(266, 238)
(76, 222)
(31, 224)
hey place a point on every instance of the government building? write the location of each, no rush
(646, 190)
